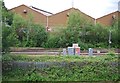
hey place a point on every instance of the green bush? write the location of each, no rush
(9, 38)
(29, 34)
(82, 32)
(83, 46)
(111, 53)
(7, 57)
(52, 42)
(89, 71)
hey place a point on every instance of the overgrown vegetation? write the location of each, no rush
(100, 68)
(18, 32)
(9, 38)
(29, 34)
(48, 58)
(85, 33)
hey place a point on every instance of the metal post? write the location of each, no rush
(95, 21)
(109, 39)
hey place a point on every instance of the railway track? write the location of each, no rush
(56, 51)
(53, 53)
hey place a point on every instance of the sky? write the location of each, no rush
(94, 8)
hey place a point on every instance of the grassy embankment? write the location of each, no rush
(99, 68)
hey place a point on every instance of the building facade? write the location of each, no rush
(48, 19)
(61, 18)
(108, 20)
(39, 16)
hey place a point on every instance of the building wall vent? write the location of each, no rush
(68, 14)
(24, 11)
(113, 16)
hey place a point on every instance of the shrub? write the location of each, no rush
(111, 53)
(9, 38)
(52, 42)
(29, 34)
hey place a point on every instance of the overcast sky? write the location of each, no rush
(94, 8)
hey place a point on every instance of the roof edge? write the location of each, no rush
(75, 9)
(108, 14)
(27, 7)
(41, 10)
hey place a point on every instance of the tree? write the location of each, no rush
(29, 34)
(9, 38)
(72, 33)
(115, 33)
(7, 16)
